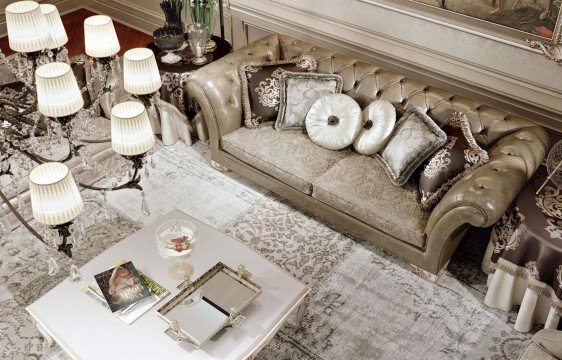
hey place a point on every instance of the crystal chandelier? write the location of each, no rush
(49, 111)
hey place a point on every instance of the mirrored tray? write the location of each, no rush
(212, 302)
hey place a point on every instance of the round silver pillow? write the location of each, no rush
(334, 121)
(380, 118)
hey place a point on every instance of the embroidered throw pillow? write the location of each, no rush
(260, 87)
(298, 91)
(334, 121)
(451, 162)
(416, 136)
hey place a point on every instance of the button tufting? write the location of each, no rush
(402, 81)
(452, 98)
(482, 187)
(425, 88)
(379, 93)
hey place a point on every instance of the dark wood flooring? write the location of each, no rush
(74, 24)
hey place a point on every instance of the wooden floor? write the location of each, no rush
(74, 24)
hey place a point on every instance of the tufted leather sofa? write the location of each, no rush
(516, 147)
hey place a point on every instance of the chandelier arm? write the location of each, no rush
(38, 158)
(21, 218)
(99, 141)
(131, 184)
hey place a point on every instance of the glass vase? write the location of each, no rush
(205, 12)
(172, 10)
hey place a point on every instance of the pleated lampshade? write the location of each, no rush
(55, 198)
(100, 37)
(140, 72)
(28, 30)
(131, 132)
(58, 93)
(58, 33)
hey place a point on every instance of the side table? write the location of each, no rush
(524, 257)
(173, 91)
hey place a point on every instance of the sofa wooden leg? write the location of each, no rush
(427, 275)
(219, 167)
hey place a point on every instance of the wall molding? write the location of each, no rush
(497, 89)
(145, 20)
(127, 13)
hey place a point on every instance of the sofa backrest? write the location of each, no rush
(367, 82)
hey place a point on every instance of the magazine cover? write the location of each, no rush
(122, 286)
(131, 313)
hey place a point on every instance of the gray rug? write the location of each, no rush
(365, 303)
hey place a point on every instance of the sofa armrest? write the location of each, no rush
(550, 340)
(486, 192)
(216, 87)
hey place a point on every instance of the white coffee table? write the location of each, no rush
(85, 330)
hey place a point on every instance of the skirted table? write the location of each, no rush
(524, 257)
(173, 91)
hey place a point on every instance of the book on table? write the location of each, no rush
(125, 291)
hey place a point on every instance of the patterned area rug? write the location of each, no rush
(365, 303)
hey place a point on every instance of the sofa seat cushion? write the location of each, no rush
(359, 186)
(286, 155)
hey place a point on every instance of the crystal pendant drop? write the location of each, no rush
(53, 266)
(105, 207)
(152, 162)
(144, 205)
(5, 227)
(75, 274)
(146, 173)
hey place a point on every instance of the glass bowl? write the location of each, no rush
(176, 238)
(168, 38)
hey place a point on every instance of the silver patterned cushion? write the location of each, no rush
(298, 92)
(288, 156)
(358, 186)
(415, 138)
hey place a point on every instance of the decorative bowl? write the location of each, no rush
(176, 238)
(168, 38)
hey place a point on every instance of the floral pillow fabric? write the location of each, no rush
(298, 92)
(451, 162)
(415, 138)
(260, 87)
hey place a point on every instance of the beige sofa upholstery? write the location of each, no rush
(350, 190)
(545, 345)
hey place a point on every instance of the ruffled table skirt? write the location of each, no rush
(506, 291)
